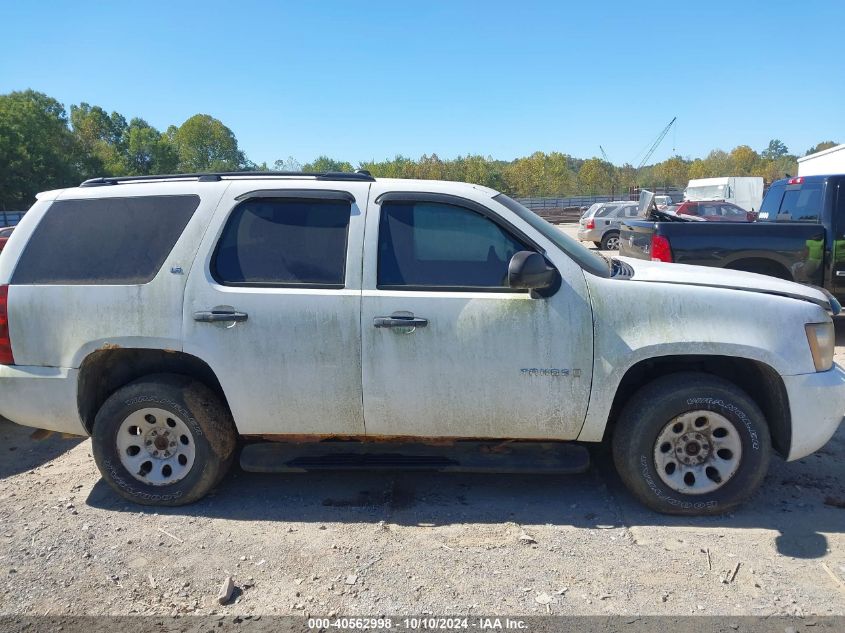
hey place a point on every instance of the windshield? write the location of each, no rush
(585, 258)
(709, 192)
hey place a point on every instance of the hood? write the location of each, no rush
(661, 272)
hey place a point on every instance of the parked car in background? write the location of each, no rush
(600, 223)
(4, 235)
(178, 319)
(711, 211)
(799, 235)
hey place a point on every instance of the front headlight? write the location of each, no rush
(821, 338)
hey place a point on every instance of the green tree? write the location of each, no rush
(398, 167)
(102, 138)
(744, 161)
(821, 147)
(596, 176)
(626, 177)
(541, 174)
(777, 168)
(287, 164)
(148, 151)
(324, 163)
(776, 149)
(717, 163)
(203, 143)
(431, 168)
(37, 150)
(673, 172)
(698, 169)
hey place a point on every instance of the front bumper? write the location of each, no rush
(817, 406)
(41, 397)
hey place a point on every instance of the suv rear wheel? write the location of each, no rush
(163, 440)
(610, 241)
(692, 444)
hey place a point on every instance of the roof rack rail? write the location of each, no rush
(359, 175)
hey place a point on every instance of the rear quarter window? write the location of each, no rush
(606, 211)
(114, 241)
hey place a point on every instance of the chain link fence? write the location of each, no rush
(569, 209)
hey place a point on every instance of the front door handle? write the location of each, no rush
(218, 316)
(400, 320)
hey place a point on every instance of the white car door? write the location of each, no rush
(273, 303)
(476, 359)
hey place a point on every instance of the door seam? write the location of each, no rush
(365, 217)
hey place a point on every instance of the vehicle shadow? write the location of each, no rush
(792, 501)
(21, 453)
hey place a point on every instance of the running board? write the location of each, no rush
(469, 457)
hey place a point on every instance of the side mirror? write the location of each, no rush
(530, 271)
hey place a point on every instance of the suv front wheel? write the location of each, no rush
(692, 444)
(163, 440)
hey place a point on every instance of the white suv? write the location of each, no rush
(167, 317)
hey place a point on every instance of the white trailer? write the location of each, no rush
(743, 191)
(829, 161)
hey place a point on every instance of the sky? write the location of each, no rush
(370, 80)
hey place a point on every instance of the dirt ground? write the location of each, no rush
(413, 543)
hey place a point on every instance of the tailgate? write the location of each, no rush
(635, 238)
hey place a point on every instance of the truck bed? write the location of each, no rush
(773, 248)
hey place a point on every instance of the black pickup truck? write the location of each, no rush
(799, 235)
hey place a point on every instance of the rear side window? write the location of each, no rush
(731, 211)
(117, 241)
(802, 204)
(771, 203)
(284, 242)
(709, 210)
(435, 245)
(606, 211)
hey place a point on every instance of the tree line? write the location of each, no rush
(43, 146)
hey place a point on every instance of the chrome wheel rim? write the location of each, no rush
(156, 447)
(613, 244)
(697, 452)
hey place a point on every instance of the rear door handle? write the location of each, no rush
(217, 316)
(396, 320)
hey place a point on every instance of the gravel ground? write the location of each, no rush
(412, 543)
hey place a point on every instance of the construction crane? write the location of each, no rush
(604, 155)
(654, 145)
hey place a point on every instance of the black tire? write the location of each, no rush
(206, 417)
(660, 402)
(606, 238)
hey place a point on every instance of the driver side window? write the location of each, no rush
(442, 246)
